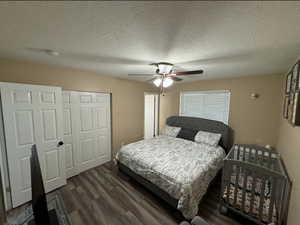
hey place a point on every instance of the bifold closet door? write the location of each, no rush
(33, 115)
(87, 130)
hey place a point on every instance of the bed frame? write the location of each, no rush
(184, 122)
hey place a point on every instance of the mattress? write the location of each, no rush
(180, 167)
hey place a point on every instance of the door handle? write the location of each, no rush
(60, 143)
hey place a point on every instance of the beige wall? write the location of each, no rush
(289, 147)
(254, 121)
(127, 96)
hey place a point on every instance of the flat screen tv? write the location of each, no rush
(39, 202)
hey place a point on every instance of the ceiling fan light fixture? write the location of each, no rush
(167, 82)
(164, 68)
(157, 82)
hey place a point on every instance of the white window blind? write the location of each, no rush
(213, 105)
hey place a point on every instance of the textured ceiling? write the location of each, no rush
(116, 38)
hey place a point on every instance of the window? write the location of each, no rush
(213, 105)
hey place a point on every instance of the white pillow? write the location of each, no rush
(208, 138)
(171, 131)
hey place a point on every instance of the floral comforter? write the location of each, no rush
(180, 167)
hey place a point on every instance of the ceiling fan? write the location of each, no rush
(165, 75)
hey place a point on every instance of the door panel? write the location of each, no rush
(86, 118)
(67, 122)
(101, 117)
(87, 150)
(24, 127)
(52, 166)
(48, 97)
(102, 146)
(21, 96)
(32, 115)
(69, 156)
(85, 97)
(25, 170)
(49, 124)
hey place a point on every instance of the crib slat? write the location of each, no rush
(239, 153)
(273, 194)
(274, 165)
(236, 185)
(244, 154)
(256, 154)
(253, 191)
(252, 155)
(285, 197)
(229, 168)
(262, 197)
(236, 152)
(270, 159)
(261, 157)
(244, 189)
(225, 180)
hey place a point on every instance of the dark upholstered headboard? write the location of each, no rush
(204, 125)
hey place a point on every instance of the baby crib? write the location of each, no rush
(256, 185)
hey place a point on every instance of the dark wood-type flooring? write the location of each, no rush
(104, 196)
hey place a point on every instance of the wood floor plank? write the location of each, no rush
(83, 203)
(136, 207)
(66, 195)
(75, 218)
(132, 219)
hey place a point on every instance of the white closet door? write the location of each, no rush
(94, 129)
(87, 130)
(33, 115)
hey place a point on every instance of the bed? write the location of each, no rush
(177, 170)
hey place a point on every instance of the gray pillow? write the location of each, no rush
(171, 131)
(188, 134)
(209, 138)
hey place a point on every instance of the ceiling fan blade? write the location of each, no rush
(150, 80)
(193, 72)
(153, 64)
(141, 75)
(176, 78)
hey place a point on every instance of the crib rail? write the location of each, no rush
(256, 155)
